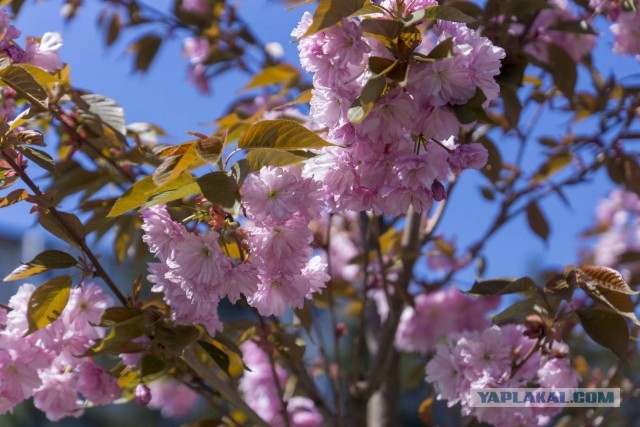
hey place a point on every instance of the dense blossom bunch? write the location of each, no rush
(547, 30)
(439, 314)
(485, 359)
(618, 217)
(281, 203)
(197, 49)
(625, 27)
(380, 169)
(193, 273)
(43, 53)
(47, 364)
(261, 391)
(171, 397)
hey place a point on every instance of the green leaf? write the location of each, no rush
(145, 49)
(173, 166)
(47, 302)
(115, 315)
(284, 74)
(210, 149)
(473, 109)
(45, 261)
(120, 338)
(607, 328)
(217, 355)
(177, 338)
(288, 345)
(537, 221)
(151, 367)
(330, 12)
(70, 232)
(280, 134)
(144, 189)
(20, 80)
(219, 189)
(517, 311)
(494, 164)
(443, 50)
(511, 103)
(380, 66)
(261, 157)
(563, 69)
(39, 157)
(107, 110)
(444, 13)
(383, 29)
(13, 198)
(502, 286)
(370, 94)
(554, 164)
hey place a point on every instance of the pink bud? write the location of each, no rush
(143, 394)
(438, 191)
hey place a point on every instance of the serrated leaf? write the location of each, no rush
(383, 29)
(443, 50)
(282, 135)
(120, 338)
(26, 85)
(304, 316)
(173, 166)
(552, 165)
(14, 197)
(143, 190)
(284, 74)
(219, 189)
(45, 261)
(210, 149)
(330, 12)
(444, 13)
(472, 110)
(115, 315)
(217, 355)
(109, 111)
(516, 311)
(70, 232)
(563, 69)
(537, 221)
(288, 345)
(606, 328)
(502, 286)
(145, 50)
(150, 367)
(47, 302)
(39, 157)
(260, 157)
(179, 337)
(370, 94)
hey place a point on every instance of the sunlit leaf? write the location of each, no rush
(45, 261)
(330, 12)
(13, 198)
(444, 13)
(285, 74)
(47, 302)
(502, 286)
(260, 157)
(280, 134)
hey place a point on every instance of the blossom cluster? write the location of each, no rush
(399, 154)
(281, 204)
(618, 220)
(625, 24)
(262, 389)
(440, 314)
(43, 53)
(497, 358)
(193, 272)
(47, 364)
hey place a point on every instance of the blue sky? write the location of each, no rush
(163, 97)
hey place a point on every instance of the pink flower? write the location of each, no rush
(242, 279)
(198, 7)
(96, 385)
(143, 394)
(57, 397)
(445, 371)
(199, 259)
(343, 44)
(84, 309)
(45, 53)
(627, 34)
(172, 398)
(468, 156)
(161, 232)
(197, 49)
(197, 76)
(487, 354)
(557, 372)
(447, 81)
(280, 248)
(303, 413)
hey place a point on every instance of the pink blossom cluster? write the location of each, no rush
(281, 204)
(439, 314)
(377, 166)
(625, 27)
(618, 216)
(43, 53)
(197, 49)
(261, 391)
(547, 30)
(193, 273)
(171, 397)
(46, 364)
(197, 7)
(485, 359)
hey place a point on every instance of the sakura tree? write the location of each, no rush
(297, 272)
